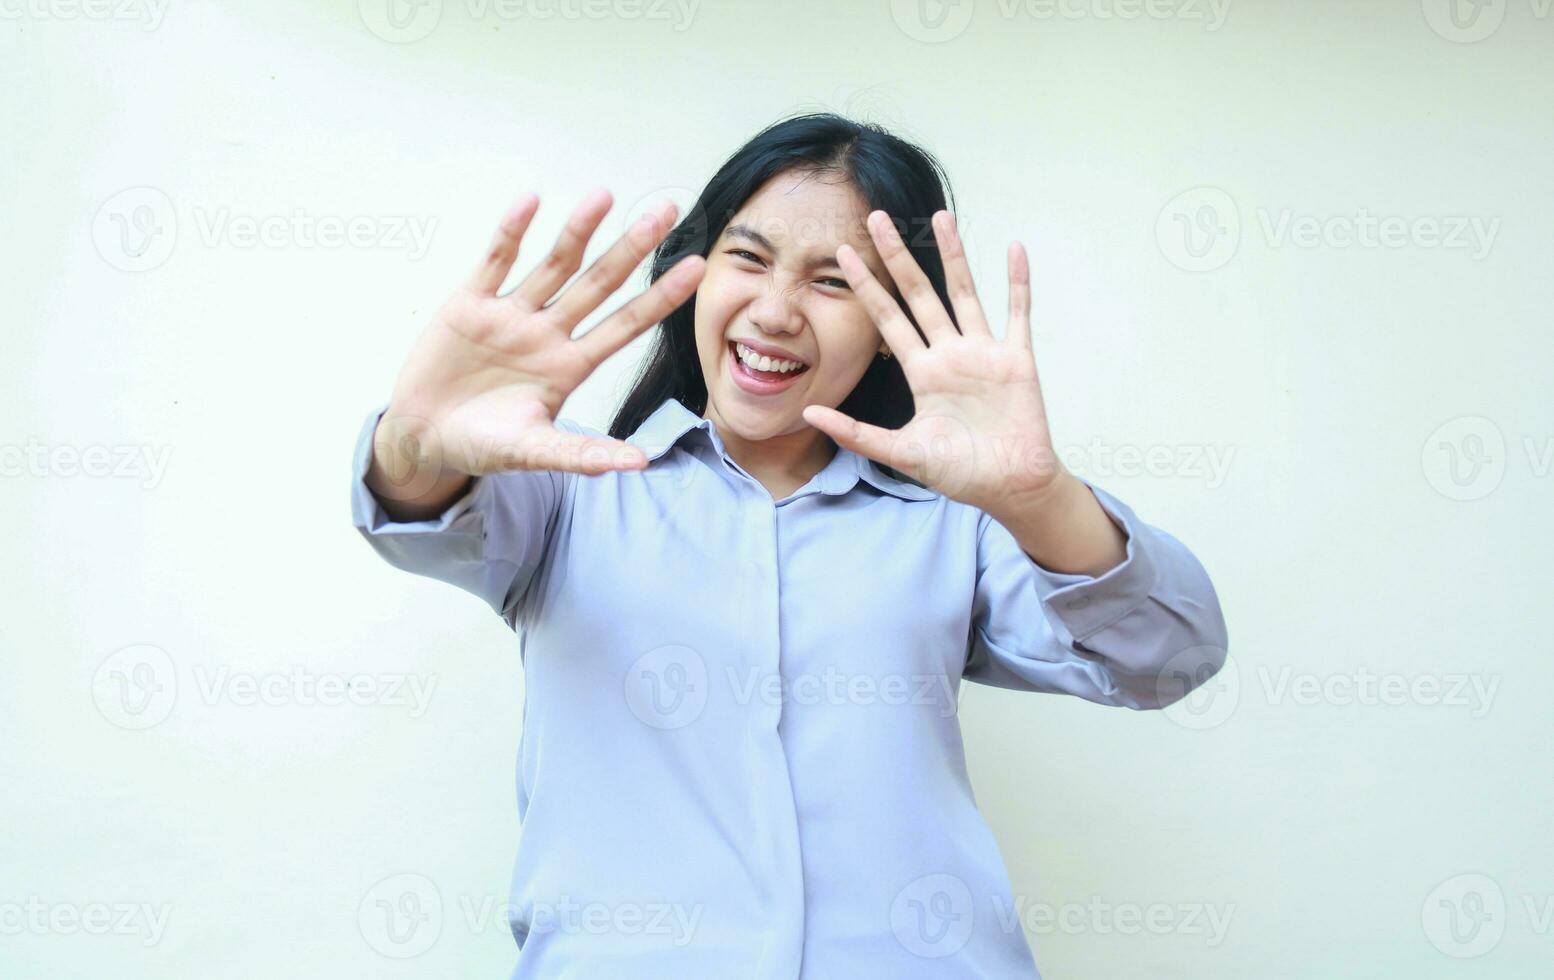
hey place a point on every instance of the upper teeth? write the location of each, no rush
(763, 363)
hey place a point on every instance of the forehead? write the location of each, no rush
(808, 214)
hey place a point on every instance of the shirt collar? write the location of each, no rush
(671, 420)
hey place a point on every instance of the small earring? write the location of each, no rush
(885, 355)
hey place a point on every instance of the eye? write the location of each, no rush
(834, 283)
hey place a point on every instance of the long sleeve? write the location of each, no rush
(488, 542)
(1142, 635)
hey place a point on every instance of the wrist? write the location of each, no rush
(1056, 496)
(408, 461)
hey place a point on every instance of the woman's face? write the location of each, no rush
(772, 283)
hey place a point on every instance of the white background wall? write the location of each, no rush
(1338, 832)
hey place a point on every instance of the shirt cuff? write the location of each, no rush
(368, 513)
(1087, 604)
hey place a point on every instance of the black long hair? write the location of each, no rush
(889, 173)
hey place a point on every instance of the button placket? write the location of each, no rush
(760, 588)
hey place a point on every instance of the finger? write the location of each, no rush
(878, 444)
(572, 452)
(910, 279)
(1019, 332)
(606, 275)
(541, 284)
(647, 309)
(957, 277)
(488, 276)
(904, 340)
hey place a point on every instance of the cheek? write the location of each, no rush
(715, 303)
(710, 326)
(849, 341)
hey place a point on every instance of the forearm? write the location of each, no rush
(1065, 529)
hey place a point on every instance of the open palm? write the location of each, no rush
(980, 433)
(481, 388)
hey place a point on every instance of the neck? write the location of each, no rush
(781, 463)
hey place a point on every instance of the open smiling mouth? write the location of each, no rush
(759, 382)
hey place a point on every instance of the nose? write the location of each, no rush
(774, 311)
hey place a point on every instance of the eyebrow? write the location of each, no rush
(750, 234)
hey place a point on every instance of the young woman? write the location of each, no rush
(746, 611)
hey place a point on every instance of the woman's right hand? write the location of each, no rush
(482, 386)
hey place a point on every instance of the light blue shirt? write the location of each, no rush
(741, 756)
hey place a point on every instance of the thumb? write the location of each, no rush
(867, 440)
(557, 449)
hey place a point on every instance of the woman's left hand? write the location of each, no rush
(979, 434)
